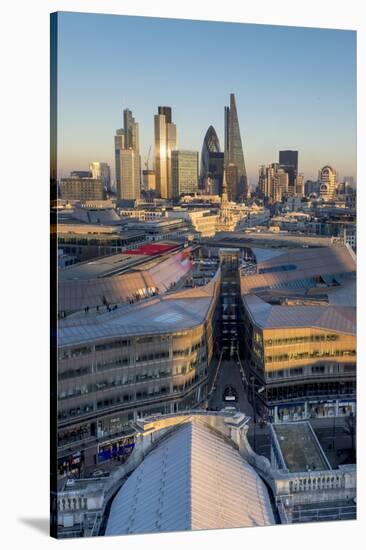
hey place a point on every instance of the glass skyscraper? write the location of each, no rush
(184, 172)
(165, 143)
(212, 163)
(289, 163)
(127, 158)
(234, 156)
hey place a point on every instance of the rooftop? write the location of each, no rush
(167, 313)
(98, 267)
(312, 287)
(95, 282)
(194, 479)
(262, 238)
(300, 448)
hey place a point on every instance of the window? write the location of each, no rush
(318, 369)
(112, 345)
(75, 352)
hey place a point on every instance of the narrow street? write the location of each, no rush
(230, 375)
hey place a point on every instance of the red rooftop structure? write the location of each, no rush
(152, 249)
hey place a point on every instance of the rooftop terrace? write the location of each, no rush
(300, 448)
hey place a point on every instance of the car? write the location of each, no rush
(99, 473)
(230, 394)
(229, 409)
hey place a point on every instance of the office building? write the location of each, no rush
(119, 144)
(165, 143)
(299, 331)
(87, 241)
(328, 183)
(279, 185)
(212, 163)
(299, 186)
(127, 158)
(130, 174)
(238, 183)
(273, 182)
(151, 355)
(81, 174)
(184, 172)
(81, 189)
(200, 220)
(232, 181)
(148, 180)
(311, 187)
(102, 171)
(131, 131)
(288, 161)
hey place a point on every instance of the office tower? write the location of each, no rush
(232, 181)
(81, 189)
(102, 171)
(131, 131)
(237, 189)
(273, 182)
(165, 143)
(148, 180)
(289, 161)
(212, 163)
(263, 181)
(328, 182)
(119, 144)
(127, 158)
(299, 185)
(130, 175)
(184, 172)
(279, 185)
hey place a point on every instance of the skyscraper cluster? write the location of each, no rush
(176, 172)
(281, 179)
(273, 182)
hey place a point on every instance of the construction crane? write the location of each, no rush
(147, 159)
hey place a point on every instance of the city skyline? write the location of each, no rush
(312, 111)
(203, 337)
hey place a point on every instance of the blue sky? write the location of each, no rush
(295, 87)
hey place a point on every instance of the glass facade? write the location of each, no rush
(105, 384)
(184, 172)
(295, 364)
(212, 163)
(127, 158)
(165, 142)
(234, 153)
